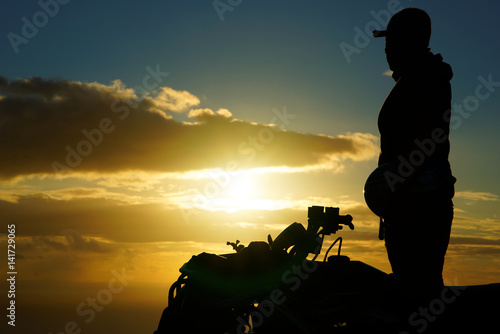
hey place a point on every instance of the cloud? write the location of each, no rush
(72, 241)
(101, 222)
(477, 196)
(61, 126)
(478, 251)
(39, 241)
(388, 73)
(97, 224)
(458, 240)
(172, 100)
(205, 113)
(79, 243)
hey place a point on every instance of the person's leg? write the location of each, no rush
(416, 240)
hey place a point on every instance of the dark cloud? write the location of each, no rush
(54, 223)
(79, 243)
(59, 126)
(47, 242)
(74, 242)
(475, 251)
(457, 240)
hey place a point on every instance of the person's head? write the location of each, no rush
(408, 35)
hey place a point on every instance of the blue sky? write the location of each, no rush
(262, 55)
(228, 79)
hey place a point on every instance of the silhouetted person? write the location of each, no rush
(414, 127)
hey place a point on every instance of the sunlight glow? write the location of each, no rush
(219, 190)
(241, 188)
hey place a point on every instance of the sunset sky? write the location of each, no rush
(135, 134)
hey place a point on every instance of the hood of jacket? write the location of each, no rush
(427, 64)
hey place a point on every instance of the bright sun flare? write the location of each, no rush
(241, 188)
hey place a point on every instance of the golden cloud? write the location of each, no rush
(62, 126)
(477, 196)
(172, 100)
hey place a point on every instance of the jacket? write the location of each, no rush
(414, 125)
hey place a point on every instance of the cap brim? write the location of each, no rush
(379, 33)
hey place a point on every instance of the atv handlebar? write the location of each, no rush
(328, 218)
(322, 221)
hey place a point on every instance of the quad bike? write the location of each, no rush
(276, 287)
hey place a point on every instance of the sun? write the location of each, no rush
(241, 188)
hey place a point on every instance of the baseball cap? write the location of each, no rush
(409, 24)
